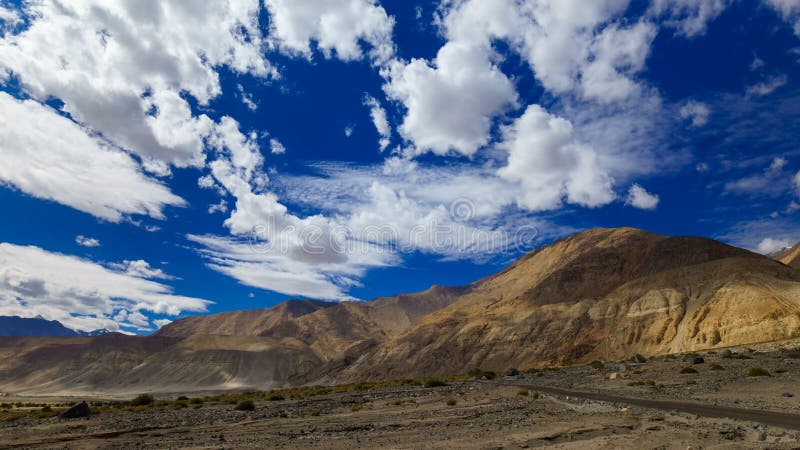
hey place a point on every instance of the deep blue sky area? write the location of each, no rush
(680, 121)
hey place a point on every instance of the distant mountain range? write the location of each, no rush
(602, 294)
(39, 326)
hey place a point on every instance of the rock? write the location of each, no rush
(512, 372)
(788, 394)
(623, 367)
(725, 354)
(76, 411)
(614, 376)
(639, 358)
(698, 360)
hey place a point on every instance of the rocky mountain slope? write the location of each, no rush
(599, 294)
(789, 256)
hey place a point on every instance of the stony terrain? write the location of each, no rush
(465, 413)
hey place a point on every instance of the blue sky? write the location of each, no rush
(161, 159)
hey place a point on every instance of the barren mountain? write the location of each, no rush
(599, 294)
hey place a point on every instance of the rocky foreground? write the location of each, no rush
(506, 412)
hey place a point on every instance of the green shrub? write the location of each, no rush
(142, 400)
(478, 373)
(686, 370)
(246, 405)
(451, 402)
(716, 367)
(758, 372)
(434, 383)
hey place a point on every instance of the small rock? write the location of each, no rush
(639, 358)
(788, 394)
(725, 354)
(614, 376)
(698, 360)
(512, 372)
(76, 411)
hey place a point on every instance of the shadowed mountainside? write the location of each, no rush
(599, 294)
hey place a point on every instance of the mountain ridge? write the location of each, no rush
(598, 294)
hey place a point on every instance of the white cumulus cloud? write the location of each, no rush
(638, 197)
(337, 27)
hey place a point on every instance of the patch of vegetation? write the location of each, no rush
(182, 398)
(356, 407)
(451, 402)
(642, 383)
(434, 382)
(196, 401)
(716, 367)
(522, 391)
(758, 372)
(246, 405)
(687, 370)
(142, 400)
(480, 374)
(598, 365)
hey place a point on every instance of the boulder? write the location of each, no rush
(725, 354)
(76, 411)
(698, 360)
(637, 358)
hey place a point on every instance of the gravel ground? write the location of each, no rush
(485, 415)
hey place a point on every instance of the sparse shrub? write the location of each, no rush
(355, 407)
(758, 372)
(314, 413)
(397, 402)
(196, 401)
(434, 383)
(716, 367)
(534, 395)
(451, 402)
(142, 400)
(642, 383)
(479, 374)
(246, 405)
(687, 370)
(522, 391)
(47, 409)
(275, 397)
(598, 365)
(180, 404)
(182, 398)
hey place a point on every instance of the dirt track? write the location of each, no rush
(778, 419)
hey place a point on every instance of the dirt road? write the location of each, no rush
(778, 419)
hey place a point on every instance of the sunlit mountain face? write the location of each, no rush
(163, 159)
